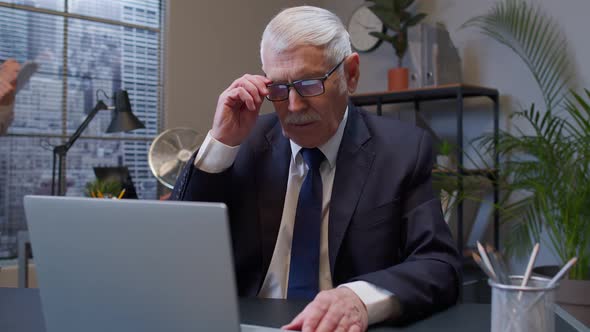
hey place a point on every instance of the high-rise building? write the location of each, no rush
(140, 65)
(13, 33)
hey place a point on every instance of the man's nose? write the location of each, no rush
(296, 102)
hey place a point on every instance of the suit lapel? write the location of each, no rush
(352, 168)
(272, 172)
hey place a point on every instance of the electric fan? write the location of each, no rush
(170, 151)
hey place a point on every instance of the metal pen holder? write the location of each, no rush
(522, 309)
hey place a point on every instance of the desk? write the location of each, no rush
(20, 311)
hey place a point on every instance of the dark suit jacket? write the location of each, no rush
(385, 223)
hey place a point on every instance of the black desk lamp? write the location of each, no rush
(123, 120)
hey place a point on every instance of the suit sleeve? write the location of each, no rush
(429, 277)
(206, 175)
(196, 185)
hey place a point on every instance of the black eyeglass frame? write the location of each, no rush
(293, 84)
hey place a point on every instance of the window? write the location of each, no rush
(82, 46)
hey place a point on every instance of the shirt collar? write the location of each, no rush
(330, 148)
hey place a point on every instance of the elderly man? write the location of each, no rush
(8, 74)
(327, 202)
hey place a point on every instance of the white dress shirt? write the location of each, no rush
(215, 157)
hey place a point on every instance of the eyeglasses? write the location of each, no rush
(305, 88)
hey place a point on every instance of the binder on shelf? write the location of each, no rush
(482, 219)
(432, 57)
(448, 201)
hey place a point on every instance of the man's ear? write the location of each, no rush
(352, 72)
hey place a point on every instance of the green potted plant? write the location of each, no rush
(444, 158)
(446, 178)
(395, 16)
(547, 164)
(104, 189)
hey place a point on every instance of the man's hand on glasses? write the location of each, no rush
(237, 109)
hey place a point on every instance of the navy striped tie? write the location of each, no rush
(305, 246)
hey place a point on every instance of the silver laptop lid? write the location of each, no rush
(128, 265)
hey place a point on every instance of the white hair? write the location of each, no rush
(307, 25)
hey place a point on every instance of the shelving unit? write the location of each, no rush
(457, 92)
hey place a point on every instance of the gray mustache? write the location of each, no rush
(299, 118)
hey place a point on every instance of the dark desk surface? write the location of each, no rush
(20, 311)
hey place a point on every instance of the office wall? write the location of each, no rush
(209, 44)
(485, 62)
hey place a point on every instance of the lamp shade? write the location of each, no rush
(123, 119)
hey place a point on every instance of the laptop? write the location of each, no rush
(133, 265)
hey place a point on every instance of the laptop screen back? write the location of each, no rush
(129, 265)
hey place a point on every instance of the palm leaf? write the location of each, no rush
(545, 168)
(521, 237)
(581, 115)
(536, 39)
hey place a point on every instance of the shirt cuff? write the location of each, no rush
(381, 304)
(214, 156)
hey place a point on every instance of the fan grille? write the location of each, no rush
(170, 152)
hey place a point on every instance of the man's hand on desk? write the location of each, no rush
(338, 309)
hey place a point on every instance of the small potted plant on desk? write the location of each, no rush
(104, 189)
(395, 16)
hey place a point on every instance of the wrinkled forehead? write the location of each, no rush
(294, 63)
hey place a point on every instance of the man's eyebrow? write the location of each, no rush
(275, 80)
(266, 75)
(300, 77)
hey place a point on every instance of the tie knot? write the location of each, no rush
(313, 157)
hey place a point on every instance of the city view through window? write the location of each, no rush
(90, 47)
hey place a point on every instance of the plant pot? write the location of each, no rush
(572, 295)
(444, 162)
(397, 79)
